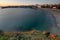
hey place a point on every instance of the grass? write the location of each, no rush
(28, 35)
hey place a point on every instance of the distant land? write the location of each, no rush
(54, 6)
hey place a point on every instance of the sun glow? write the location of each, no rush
(12, 4)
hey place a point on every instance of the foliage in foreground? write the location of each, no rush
(28, 35)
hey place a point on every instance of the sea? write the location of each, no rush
(26, 19)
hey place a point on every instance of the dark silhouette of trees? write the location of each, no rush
(59, 6)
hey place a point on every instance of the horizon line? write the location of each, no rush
(5, 4)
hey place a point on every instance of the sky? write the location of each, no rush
(17, 2)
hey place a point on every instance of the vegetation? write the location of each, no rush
(29, 35)
(57, 6)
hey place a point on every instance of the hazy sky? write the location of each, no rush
(29, 1)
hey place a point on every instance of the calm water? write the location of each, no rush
(24, 19)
